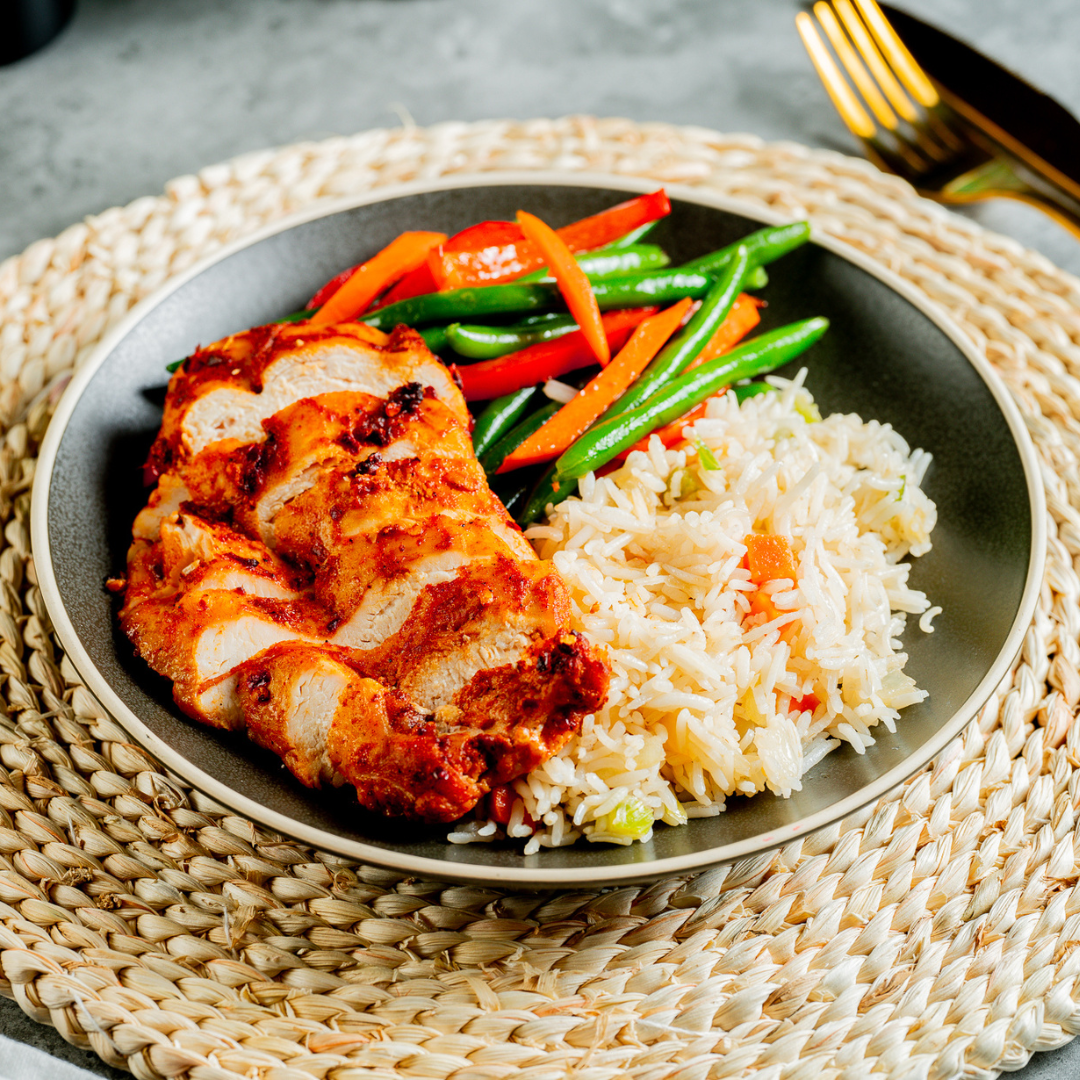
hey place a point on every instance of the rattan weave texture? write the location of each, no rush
(933, 935)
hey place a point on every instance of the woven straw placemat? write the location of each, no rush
(934, 935)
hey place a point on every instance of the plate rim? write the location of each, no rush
(533, 873)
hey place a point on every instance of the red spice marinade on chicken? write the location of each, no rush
(323, 563)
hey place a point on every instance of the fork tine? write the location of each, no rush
(869, 52)
(906, 68)
(930, 147)
(904, 159)
(858, 74)
(931, 136)
(847, 104)
(903, 63)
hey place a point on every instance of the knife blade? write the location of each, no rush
(1025, 121)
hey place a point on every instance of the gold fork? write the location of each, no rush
(920, 137)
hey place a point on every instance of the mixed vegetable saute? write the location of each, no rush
(576, 344)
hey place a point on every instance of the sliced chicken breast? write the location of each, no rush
(226, 390)
(323, 564)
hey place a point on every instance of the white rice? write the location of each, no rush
(702, 692)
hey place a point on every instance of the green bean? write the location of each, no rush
(543, 494)
(455, 304)
(674, 357)
(757, 277)
(435, 338)
(620, 291)
(607, 261)
(488, 342)
(753, 389)
(763, 354)
(499, 417)
(531, 322)
(650, 287)
(764, 246)
(497, 453)
(635, 236)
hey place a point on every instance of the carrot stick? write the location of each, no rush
(574, 417)
(741, 319)
(572, 282)
(391, 264)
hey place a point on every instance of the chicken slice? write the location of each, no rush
(226, 390)
(323, 565)
(338, 433)
(192, 553)
(331, 723)
(488, 615)
(199, 639)
(388, 602)
(202, 600)
(350, 435)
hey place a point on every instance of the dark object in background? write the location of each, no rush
(27, 25)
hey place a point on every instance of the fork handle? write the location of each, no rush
(1008, 177)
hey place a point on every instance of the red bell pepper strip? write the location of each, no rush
(399, 257)
(607, 226)
(571, 280)
(483, 254)
(496, 251)
(546, 360)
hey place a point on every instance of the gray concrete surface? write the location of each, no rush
(137, 91)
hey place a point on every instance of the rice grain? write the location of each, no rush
(708, 698)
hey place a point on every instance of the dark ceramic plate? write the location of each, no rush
(889, 355)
